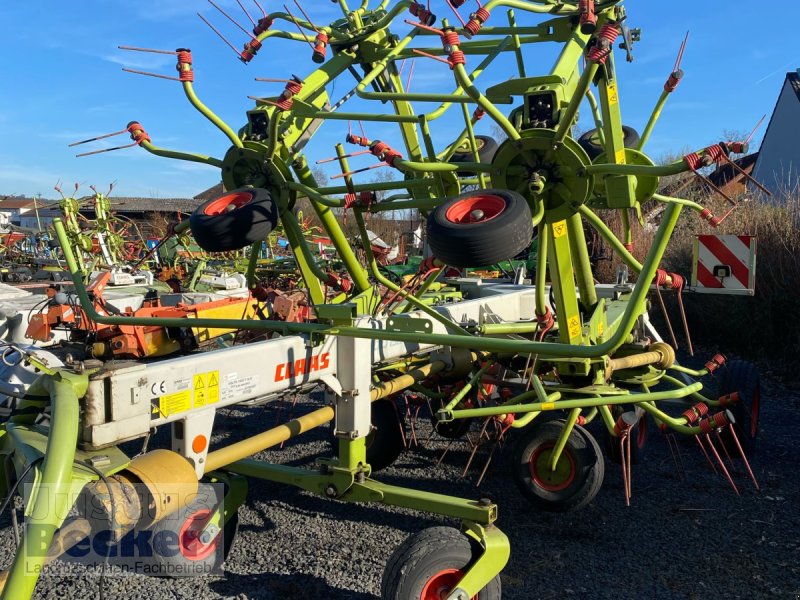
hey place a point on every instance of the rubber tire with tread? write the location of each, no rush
(385, 443)
(593, 149)
(452, 430)
(487, 149)
(425, 554)
(237, 228)
(741, 376)
(585, 452)
(483, 243)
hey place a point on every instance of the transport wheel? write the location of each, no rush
(234, 220)
(385, 443)
(177, 551)
(429, 564)
(578, 474)
(487, 147)
(741, 376)
(591, 143)
(480, 228)
(639, 436)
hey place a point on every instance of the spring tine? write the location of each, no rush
(94, 139)
(680, 53)
(677, 458)
(666, 317)
(297, 24)
(455, 10)
(340, 175)
(425, 54)
(306, 16)
(725, 450)
(150, 74)
(476, 446)
(752, 133)
(106, 150)
(410, 75)
(222, 37)
(260, 8)
(239, 2)
(743, 456)
(747, 176)
(231, 19)
(685, 323)
(136, 49)
(721, 464)
(273, 80)
(705, 453)
(630, 471)
(327, 160)
(488, 461)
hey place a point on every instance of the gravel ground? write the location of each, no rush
(690, 538)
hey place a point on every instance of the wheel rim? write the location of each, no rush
(441, 584)
(227, 203)
(543, 476)
(188, 538)
(467, 147)
(754, 411)
(475, 209)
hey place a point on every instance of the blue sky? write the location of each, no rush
(63, 82)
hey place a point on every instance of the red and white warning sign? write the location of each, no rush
(724, 264)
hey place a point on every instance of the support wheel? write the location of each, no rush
(487, 148)
(452, 430)
(429, 564)
(481, 228)
(742, 376)
(590, 142)
(386, 441)
(181, 553)
(578, 474)
(234, 220)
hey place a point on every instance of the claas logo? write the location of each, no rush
(302, 366)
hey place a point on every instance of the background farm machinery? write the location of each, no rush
(559, 353)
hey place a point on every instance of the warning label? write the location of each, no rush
(613, 95)
(206, 388)
(174, 403)
(574, 327)
(559, 229)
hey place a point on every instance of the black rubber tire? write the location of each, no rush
(485, 242)
(589, 142)
(386, 441)
(253, 217)
(453, 430)
(415, 562)
(640, 433)
(742, 376)
(583, 455)
(487, 148)
(177, 563)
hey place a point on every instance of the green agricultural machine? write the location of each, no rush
(560, 351)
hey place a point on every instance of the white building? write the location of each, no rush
(778, 164)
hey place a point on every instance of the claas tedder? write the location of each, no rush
(536, 359)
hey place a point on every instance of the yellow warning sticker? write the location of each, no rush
(548, 405)
(613, 95)
(600, 328)
(213, 387)
(175, 403)
(620, 156)
(559, 229)
(206, 388)
(574, 327)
